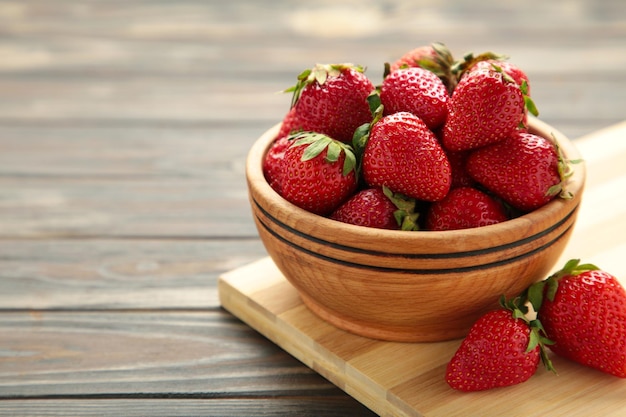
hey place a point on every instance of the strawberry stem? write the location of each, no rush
(405, 216)
(537, 336)
(565, 171)
(318, 74)
(316, 143)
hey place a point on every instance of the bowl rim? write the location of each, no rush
(525, 227)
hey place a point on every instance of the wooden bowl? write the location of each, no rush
(409, 286)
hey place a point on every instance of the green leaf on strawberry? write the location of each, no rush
(319, 74)
(318, 142)
(583, 312)
(405, 215)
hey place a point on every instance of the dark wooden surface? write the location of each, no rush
(124, 127)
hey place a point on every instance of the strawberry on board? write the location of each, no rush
(486, 107)
(319, 173)
(379, 208)
(418, 91)
(502, 348)
(464, 208)
(583, 311)
(525, 170)
(404, 155)
(330, 99)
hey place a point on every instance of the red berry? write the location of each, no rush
(418, 91)
(370, 208)
(486, 107)
(584, 313)
(494, 354)
(523, 170)
(404, 155)
(331, 99)
(318, 173)
(272, 168)
(464, 208)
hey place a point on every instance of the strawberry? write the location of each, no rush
(319, 173)
(520, 78)
(464, 208)
(460, 177)
(288, 125)
(583, 311)
(330, 99)
(436, 58)
(417, 91)
(486, 107)
(512, 70)
(502, 348)
(404, 155)
(272, 169)
(379, 208)
(525, 170)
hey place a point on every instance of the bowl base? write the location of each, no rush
(389, 334)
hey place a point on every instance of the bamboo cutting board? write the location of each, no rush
(407, 379)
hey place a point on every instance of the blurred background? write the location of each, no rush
(215, 62)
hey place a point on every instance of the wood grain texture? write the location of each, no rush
(59, 274)
(123, 133)
(189, 406)
(407, 379)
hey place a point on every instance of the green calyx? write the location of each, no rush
(547, 288)
(440, 64)
(405, 215)
(535, 295)
(318, 74)
(362, 133)
(461, 66)
(316, 143)
(528, 102)
(537, 335)
(565, 170)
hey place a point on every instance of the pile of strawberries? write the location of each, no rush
(440, 144)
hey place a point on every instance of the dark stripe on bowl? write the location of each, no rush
(439, 271)
(463, 254)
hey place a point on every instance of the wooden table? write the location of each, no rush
(124, 128)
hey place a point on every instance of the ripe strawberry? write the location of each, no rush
(288, 125)
(318, 173)
(512, 70)
(330, 99)
(464, 208)
(272, 169)
(500, 350)
(486, 107)
(404, 155)
(379, 208)
(460, 177)
(520, 78)
(583, 311)
(525, 170)
(416, 91)
(436, 58)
